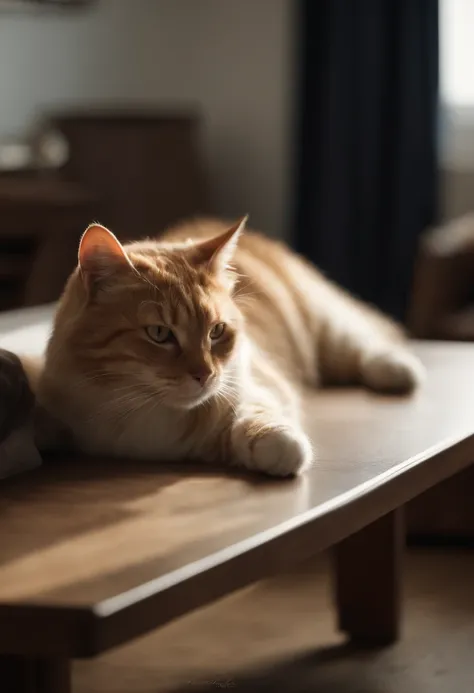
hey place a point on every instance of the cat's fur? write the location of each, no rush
(287, 327)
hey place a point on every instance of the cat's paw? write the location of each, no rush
(278, 450)
(393, 370)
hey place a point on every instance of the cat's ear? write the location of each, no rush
(217, 252)
(100, 254)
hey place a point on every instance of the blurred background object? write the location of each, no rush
(319, 119)
(168, 109)
(442, 305)
(144, 165)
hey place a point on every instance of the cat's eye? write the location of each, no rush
(160, 334)
(217, 331)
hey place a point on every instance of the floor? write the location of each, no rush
(279, 636)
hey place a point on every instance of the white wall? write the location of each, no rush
(233, 58)
(457, 97)
(116, 49)
(245, 53)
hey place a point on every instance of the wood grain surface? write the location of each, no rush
(94, 552)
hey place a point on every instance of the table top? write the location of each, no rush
(95, 551)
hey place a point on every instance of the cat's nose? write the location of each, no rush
(201, 376)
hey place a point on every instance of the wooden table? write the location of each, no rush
(94, 553)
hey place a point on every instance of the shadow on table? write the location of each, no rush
(63, 500)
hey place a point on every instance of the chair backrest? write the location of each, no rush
(146, 167)
(444, 281)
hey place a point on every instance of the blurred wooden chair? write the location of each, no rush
(41, 220)
(145, 165)
(137, 171)
(442, 308)
(442, 304)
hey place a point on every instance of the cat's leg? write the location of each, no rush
(348, 341)
(357, 344)
(267, 437)
(391, 368)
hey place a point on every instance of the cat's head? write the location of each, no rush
(155, 322)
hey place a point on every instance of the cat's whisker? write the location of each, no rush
(93, 377)
(131, 408)
(126, 403)
(150, 400)
(224, 396)
(242, 293)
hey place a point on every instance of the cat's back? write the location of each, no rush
(255, 252)
(265, 266)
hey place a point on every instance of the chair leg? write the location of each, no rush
(367, 581)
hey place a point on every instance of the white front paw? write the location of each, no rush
(394, 370)
(279, 450)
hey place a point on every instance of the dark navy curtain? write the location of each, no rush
(366, 183)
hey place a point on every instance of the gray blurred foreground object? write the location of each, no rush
(18, 452)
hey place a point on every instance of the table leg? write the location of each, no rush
(30, 675)
(368, 566)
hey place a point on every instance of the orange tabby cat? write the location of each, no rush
(198, 349)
